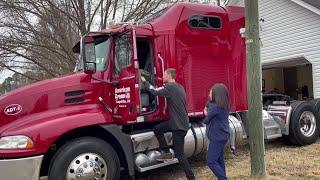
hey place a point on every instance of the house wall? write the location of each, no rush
(290, 30)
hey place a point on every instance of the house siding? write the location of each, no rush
(290, 30)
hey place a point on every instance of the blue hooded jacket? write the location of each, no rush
(217, 123)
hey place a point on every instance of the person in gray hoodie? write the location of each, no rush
(178, 122)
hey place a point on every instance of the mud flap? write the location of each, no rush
(126, 144)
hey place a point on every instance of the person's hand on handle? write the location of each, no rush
(143, 79)
(146, 84)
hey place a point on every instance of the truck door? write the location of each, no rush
(125, 77)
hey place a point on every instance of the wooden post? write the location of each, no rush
(256, 139)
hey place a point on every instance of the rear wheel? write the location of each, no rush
(316, 105)
(85, 158)
(304, 124)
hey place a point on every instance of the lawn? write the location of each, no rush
(282, 162)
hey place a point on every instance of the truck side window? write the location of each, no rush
(123, 53)
(205, 22)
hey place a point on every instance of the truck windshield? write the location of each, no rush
(102, 49)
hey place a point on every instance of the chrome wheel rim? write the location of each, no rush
(307, 123)
(87, 166)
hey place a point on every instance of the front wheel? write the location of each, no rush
(85, 158)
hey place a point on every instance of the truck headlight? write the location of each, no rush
(15, 142)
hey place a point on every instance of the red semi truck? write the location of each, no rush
(97, 121)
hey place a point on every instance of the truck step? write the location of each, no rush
(273, 127)
(155, 166)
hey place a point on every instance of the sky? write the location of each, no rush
(4, 74)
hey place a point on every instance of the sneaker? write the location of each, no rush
(165, 157)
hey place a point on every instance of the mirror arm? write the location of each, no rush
(135, 53)
(82, 52)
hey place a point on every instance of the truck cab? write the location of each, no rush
(200, 42)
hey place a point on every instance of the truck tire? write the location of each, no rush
(87, 157)
(287, 138)
(304, 124)
(316, 105)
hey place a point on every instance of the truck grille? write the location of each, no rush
(73, 97)
(74, 100)
(74, 93)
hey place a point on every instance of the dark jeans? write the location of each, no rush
(178, 146)
(215, 159)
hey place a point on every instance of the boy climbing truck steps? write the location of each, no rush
(98, 120)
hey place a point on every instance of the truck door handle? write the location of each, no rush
(131, 109)
(114, 83)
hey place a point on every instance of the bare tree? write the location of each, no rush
(38, 35)
(136, 10)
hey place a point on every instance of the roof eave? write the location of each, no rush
(307, 6)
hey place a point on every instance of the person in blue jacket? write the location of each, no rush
(217, 128)
(232, 142)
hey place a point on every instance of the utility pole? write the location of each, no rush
(218, 2)
(256, 139)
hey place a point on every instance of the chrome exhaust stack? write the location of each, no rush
(146, 146)
(237, 133)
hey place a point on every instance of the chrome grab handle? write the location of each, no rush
(162, 63)
(162, 66)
